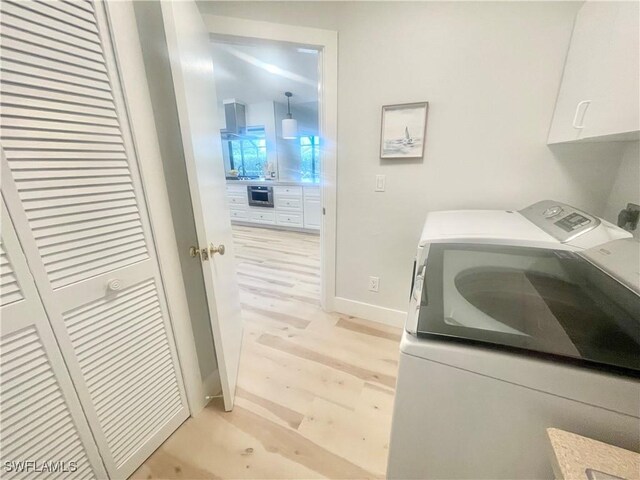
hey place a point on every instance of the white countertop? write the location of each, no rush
(273, 183)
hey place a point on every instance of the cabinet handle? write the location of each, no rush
(577, 114)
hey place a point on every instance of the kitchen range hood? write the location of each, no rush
(235, 118)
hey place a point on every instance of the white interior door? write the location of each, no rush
(40, 416)
(73, 191)
(192, 69)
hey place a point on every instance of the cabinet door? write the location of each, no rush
(598, 96)
(41, 418)
(72, 188)
(583, 72)
(615, 108)
(312, 212)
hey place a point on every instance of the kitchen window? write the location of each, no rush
(247, 153)
(309, 158)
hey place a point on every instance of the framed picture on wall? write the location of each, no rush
(404, 129)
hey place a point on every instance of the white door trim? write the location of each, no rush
(139, 109)
(327, 42)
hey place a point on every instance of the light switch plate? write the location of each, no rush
(380, 181)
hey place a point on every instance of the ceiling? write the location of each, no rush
(258, 73)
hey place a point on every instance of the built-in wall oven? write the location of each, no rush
(260, 196)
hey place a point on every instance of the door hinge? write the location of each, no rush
(324, 211)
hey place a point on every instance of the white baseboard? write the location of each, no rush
(388, 316)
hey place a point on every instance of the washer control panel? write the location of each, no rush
(560, 220)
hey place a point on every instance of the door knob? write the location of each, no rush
(219, 249)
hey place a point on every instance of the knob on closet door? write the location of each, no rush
(219, 249)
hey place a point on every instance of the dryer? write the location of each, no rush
(517, 321)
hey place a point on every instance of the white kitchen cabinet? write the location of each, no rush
(288, 203)
(287, 191)
(262, 215)
(239, 214)
(598, 97)
(237, 200)
(312, 208)
(292, 219)
(237, 190)
(295, 207)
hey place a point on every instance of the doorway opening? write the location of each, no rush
(268, 110)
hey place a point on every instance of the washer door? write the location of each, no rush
(546, 301)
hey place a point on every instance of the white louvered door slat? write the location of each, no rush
(72, 185)
(10, 290)
(41, 419)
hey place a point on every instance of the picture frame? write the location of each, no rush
(403, 130)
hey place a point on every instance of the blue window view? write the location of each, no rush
(248, 153)
(310, 158)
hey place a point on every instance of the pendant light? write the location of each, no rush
(289, 124)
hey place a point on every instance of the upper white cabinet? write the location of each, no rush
(598, 97)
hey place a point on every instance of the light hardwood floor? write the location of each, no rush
(315, 390)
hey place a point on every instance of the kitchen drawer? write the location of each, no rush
(287, 191)
(289, 203)
(289, 218)
(237, 199)
(262, 216)
(239, 214)
(311, 192)
(237, 190)
(238, 206)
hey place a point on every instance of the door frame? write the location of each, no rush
(326, 41)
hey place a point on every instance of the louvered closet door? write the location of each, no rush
(40, 416)
(71, 183)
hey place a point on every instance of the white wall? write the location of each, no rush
(626, 187)
(491, 73)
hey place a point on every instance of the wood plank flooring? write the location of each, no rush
(315, 390)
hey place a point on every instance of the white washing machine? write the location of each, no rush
(517, 322)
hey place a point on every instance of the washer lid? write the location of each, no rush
(483, 226)
(530, 300)
(620, 259)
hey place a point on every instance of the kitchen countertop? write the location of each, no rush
(574, 454)
(278, 183)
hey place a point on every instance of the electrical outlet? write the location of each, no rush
(373, 284)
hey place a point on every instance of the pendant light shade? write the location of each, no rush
(289, 128)
(289, 124)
